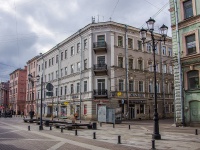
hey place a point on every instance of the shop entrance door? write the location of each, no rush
(132, 111)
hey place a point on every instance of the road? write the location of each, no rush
(14, 135)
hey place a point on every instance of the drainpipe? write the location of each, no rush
(179, 64)
(81, 63)
(126, 59)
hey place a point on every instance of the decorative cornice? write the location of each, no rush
(187, 22)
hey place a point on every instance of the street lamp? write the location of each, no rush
(38, 78)
(153, 42)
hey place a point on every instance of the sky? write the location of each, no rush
(30, 27)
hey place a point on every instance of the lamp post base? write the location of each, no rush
(40, 127)
(156, 136)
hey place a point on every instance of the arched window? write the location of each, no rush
(193, 79)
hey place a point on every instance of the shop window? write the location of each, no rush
(85, 109)
(141, 108)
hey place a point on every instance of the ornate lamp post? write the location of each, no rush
(38, 78)
(153, 42)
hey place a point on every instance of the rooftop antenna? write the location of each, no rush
(93, 19)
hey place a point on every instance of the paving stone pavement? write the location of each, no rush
(14, 135)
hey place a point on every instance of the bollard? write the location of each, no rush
(119, 139)
(113, 125)
(129, 126)
(75, 132)
(153, 144)
(29, 128)
(50, 128)
(196, 132)
(94, 135)
(61, 129)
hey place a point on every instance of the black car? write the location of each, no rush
(6, 114)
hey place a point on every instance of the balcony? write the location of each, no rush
(100, 69)
(100, 47)
(102, 93)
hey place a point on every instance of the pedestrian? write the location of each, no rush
(76, 115)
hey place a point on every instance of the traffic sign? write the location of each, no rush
(49, 87)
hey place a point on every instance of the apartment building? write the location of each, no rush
(185, 19)
(31, 101)
(17, 87)
(88, 71)
(4, 96)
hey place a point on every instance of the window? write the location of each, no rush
(85, 64)
(193, 79)
(72, 68)
(85, 43)
(120, 41)
(187, 6)
(172, 108)
(120, 62)
(141, 108)
(170, 70)
(77, 87)
(156, 49)
(39, 68)
(65, 70)
(85, 109)
(52, 60)
(164, 68)
(140, 64)
(130, 63)
(49, 76)
(61, 55)
(150, 87)
(169, 51)
(85, 86)
(167, 108)
(164, 50)
(121, 85)
(78, 47)
(139, 45)
(78, 66)
(131, 85)
(65, 90)
(45, 64)
(140, 86)
(52, 75)
(65, 54)
(158, 87)
(72, 50)
(56, 74)
(49, 62)
(157, 67)
(61, 91)
(130, 43)
(56, 58)
(72, 88)
(56, 91)
(61, 72)
(150, 66)
(190, 44)
(148, 47)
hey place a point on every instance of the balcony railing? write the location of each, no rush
(100, 93)
(100, 69)
(100, 46)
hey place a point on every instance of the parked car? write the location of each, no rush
(7, 114)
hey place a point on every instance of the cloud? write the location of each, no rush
(29, 27)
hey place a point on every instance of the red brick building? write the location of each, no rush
(4, 96)
(17, 94)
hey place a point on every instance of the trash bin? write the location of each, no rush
(47, 123)
(94, 125)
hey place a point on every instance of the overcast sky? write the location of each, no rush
(30, 27)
